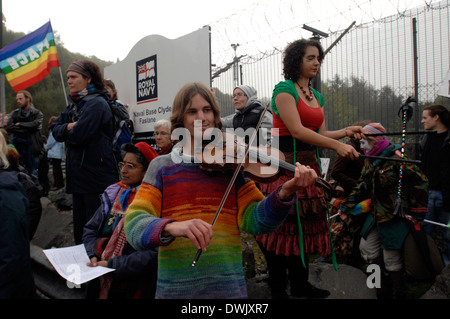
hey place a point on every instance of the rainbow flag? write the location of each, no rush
(28, 60)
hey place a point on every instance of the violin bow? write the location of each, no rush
(407, 217)
(398, 133)
(406, 115)
(390, 159)
(233, 179)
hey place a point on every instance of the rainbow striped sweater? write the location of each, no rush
(181, 191)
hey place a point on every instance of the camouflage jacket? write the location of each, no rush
(379, 182)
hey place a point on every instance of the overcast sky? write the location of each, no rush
(109, 29)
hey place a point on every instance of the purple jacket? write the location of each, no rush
(131, 262)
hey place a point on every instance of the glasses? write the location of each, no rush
(237, 95)
(129, 166)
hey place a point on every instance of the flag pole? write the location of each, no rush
(2, 75)
(60, 74)
(64, 88)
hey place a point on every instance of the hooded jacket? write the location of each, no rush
(249, 116)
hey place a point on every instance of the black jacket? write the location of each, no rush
(443, 170)
(30, 127)
(90, 163)
(347, 171)
(16, 277)
(249, 118)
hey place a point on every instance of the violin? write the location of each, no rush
(262, 164)
(228, 151)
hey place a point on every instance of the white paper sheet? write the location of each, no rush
(70, 263)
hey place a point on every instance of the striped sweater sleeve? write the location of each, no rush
(258, 214)
(142, 223)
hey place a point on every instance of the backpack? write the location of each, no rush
(422, 258)
(123, 127)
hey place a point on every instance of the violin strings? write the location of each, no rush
(256, 154)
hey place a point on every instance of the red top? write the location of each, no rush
(311, 117)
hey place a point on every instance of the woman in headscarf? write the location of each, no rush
(248, 112)
(86, 127)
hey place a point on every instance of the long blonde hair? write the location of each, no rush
(3, 151)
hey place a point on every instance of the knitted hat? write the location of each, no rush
(146, 150)
(248, 90)
(375, 128)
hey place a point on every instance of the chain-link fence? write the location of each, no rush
(366, 75)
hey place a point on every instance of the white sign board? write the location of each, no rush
(444, 88)
(148, 79)
(325, 164)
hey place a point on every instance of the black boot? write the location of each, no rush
(310, 292)
(300, 287)
(398, 284)
(276, 265)
(385, 291)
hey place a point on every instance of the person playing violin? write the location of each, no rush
(299, 126)
(177, 201)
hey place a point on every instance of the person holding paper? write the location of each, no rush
(105, 240)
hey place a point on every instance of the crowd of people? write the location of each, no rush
(170, 226)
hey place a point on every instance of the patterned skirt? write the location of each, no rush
(313, 212)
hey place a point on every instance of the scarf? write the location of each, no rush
(113, 249)
(76, 97)
(125, 196)
(378, 148)
(118, 239)
(165, 150)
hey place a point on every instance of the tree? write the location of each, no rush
(48, 94)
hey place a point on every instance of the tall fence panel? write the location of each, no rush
(368, 74)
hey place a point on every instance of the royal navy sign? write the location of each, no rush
(146, 80)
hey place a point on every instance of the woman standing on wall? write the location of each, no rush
(298, 123)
